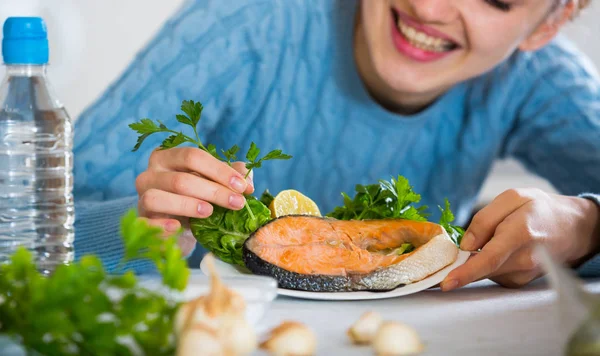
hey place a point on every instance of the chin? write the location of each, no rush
(403, 78)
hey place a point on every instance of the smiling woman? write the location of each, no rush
(410, 52)
(358, 91)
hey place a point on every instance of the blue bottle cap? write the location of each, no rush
(25, 41)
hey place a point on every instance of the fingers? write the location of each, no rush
(188, 185)
(196, 160)
(484, 223)
(517, 279)
(491, 258)
(241, 168)
(523, 260)
(155, 201)
(170, 226)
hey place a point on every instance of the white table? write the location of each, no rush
(481, 319)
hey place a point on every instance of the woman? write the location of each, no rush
(433, 90)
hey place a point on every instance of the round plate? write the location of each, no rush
(225, 269)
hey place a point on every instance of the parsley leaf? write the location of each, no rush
(193, 110)
(388, 199)
(266, 197)
(212, 149)
(145, 128)
(230, 154)
(173, 141)
(394, 199)
(185, 120)
(253, 152)
(455, 232)
(83, 309)
(143, 241)
(255, 162)
(405, 248)
(276, 154)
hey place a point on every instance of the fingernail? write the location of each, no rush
(250, 181)
(203, 210)
(236, 201)
(451, 284)
(170, 226)
(238, 184)
(467, 241)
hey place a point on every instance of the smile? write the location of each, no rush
(417, 41)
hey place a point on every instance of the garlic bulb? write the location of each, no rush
(364, 329)
(217, 320)
(393, 338)
(291, 338)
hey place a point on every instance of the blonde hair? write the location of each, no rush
(582, 4)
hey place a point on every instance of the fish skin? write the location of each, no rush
(296, 281)
(436, 255)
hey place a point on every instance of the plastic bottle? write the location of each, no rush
(36, 158)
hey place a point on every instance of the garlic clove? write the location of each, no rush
(181, 317)
(364, 329)
(393, 338)
(199, 341)
(241, 338)
(291, 338)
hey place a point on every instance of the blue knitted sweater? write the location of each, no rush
(281, 73)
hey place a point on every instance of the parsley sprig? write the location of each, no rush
(388, 199)
(393, 199)
(193, 112)
(456, 232)
(83, 309)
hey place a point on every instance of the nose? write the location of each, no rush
(435, 11)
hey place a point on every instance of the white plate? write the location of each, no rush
(227, 270)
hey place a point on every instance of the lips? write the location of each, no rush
(419, 42)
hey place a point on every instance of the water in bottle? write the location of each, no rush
(36, 201)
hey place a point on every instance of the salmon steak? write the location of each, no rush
(321, 254)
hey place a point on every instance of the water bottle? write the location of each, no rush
(36, 158)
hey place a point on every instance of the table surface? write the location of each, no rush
(480, 319)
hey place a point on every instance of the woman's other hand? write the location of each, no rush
(507, 229)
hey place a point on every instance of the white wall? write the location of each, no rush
(93, 40)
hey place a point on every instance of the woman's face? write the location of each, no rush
(411, 51)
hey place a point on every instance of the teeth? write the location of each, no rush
(422, 40)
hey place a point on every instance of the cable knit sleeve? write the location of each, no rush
(557, 133)
(220, 53)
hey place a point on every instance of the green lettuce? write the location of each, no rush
(225, 231)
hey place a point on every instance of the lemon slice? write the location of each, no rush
(292, 202)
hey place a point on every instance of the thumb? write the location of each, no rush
(241, 168)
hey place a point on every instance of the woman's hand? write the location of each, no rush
(181, 183)
(508, 228)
